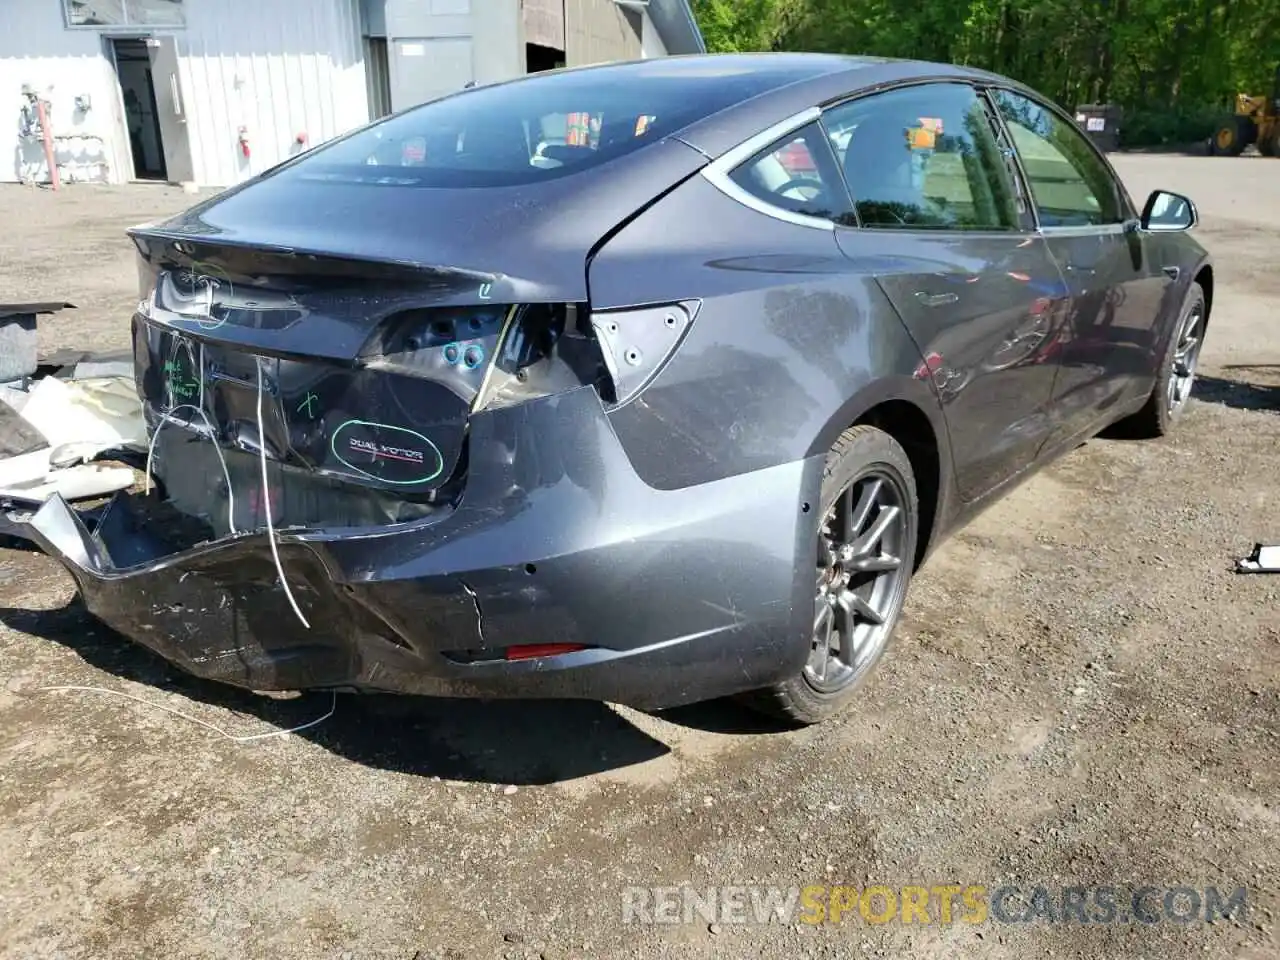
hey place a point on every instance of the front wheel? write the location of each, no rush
(868, 523)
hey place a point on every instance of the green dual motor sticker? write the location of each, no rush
(414, 450)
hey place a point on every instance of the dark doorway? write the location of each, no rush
(538, 58)
(142, 119)
(377, 76)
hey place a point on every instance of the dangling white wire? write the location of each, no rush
(168, 417)
(266, 502)
(243, 738)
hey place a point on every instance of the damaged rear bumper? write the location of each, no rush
(675, 596)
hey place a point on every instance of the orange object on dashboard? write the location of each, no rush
(925, 136)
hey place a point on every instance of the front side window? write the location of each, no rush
(923, 157)
(1071, 187)
(797, 174)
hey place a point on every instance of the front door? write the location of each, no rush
(974, 285)
(171, 109)
(1106, 353)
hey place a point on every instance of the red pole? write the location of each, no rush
(48, 144)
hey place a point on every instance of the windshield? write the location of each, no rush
(538, 128)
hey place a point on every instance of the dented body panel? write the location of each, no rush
(792, 342)
(557, 540)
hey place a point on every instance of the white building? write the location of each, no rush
(214, 91)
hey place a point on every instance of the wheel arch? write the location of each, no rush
(908, 410)
(1204, 277)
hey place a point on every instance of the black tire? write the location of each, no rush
(1232, 136)
(860, 456)
(1249, 128)
(1158, 417)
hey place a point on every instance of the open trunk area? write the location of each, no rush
(327, 391)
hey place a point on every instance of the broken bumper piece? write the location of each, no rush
(669, 597)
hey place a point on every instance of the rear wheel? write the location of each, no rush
(867, 529)
(1232, 136)
(1177, 373)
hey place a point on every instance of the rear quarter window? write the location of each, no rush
(538, 128)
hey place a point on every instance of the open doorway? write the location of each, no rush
(142, 118)
(377, 76)
(538, 58)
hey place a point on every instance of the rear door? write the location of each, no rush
(941, 224)
(1107, 352)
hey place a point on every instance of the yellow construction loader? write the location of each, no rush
(1256, 120)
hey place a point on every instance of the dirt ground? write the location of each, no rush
(1082, 692)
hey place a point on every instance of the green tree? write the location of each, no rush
(1173, 65)
(736, 26)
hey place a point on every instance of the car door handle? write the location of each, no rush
(936, 299)
(1172, 272)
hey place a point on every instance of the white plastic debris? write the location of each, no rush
(30, 476)
(102, 410)
(1264, 559)
(78, 419)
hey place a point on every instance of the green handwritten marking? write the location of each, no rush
(308, 403)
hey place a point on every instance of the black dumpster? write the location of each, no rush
(1101, 123)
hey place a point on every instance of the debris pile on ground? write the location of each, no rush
(61, 431)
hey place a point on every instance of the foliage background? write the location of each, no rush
(1173, 65)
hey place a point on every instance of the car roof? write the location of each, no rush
(802, 80)
(709, 64)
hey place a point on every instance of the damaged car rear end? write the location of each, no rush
(379, 390)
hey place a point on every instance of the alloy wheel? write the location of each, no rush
(1186, 354)
(861, 580)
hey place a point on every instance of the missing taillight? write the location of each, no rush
(491, 356)
(546, 350)
(454, 347)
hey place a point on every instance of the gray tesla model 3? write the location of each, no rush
(649, 382)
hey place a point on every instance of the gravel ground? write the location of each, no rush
(1082, 692)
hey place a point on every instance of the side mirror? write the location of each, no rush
(1167, 212)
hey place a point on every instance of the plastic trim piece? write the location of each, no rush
(718, 172)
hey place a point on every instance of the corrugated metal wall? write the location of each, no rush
(36, 48)
(279, 68)
(599, 30)
(276, 67)
(544, 23)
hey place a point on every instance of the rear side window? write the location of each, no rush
(539, 128)
(924, 157)
(797, 173)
